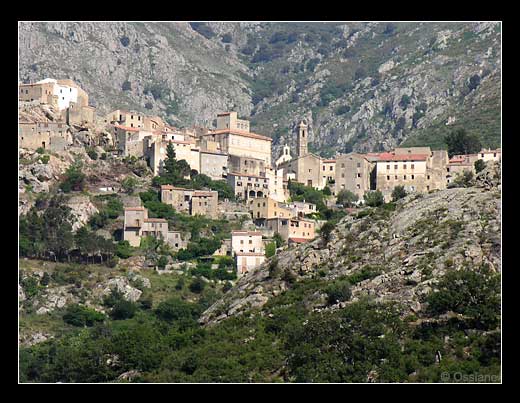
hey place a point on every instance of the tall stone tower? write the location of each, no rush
(302, 139)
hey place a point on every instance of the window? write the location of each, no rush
(359, 175)
(413, 166)
(494, 155)
(310, 170)
(388, 177)
(342, 165)
(395, 166)
(427, 187)
(482, 155)
(358, 186)
(388, 167)
(395, 177)
(324, 167)
(404, 166)
(413, 176)
(405, 177)
(241, 242)
(342, 175)
(448, 169)
(428, 177)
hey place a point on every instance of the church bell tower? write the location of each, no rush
(302, 139)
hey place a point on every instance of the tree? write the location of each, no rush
(338, 291)
(197, 285)
(398, 193)
(270, 249)
(128, 184)
(57, 227)
(460, 142)
(123, 310)
(479, 165)
(74, 179)
(77, 315)
(347, 198)
(162, 261)
(326, 231)
(123, 249)
(374, 198)
(277, 238)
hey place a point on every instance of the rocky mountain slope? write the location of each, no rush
(389, 256)
(361, 86)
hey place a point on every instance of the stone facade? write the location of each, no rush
(246, 165)
(191, 201)
(214, 165)
(248, 186)
(292, 229)
(353, 173)
(54, 136)
(306, 170)
(126, 118)
(184, 150)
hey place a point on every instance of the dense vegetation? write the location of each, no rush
(166, 344)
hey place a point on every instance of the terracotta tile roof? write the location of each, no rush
(203, 194)
(299, 240)
(249, 254)
(249, 175)
(243, 133)
(155, 220)
(329, 161)
(250, 233)
(402, 157)
(130, 129)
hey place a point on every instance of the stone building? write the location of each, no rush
(286, 155)
(234, 138)
(126, 118)
(130, 140)
(246, 165)
(490, 155)
(292, 230)
(248, 249)
(302, 208)
(354, 172)
(214, 165)
(53, 136)
(191, 201)
(418, 169)
(278, 187)
(248, 186)
(328, 173)
(184, 150)
(265, 208)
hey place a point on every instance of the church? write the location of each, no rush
(306, 168)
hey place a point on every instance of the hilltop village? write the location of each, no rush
(233, 154)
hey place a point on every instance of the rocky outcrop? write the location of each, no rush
(82, 209)
(396, 256)
(120, 284)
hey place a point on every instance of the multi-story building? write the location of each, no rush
(418, 169)
(191, 201)
(286, 155)
(248, 186)
(265, 207)
(54, 136)
(138, 225)
(302, 208)
(234, 138)
(278, 188)
(126, 118)
(184, 150)
(248, 249)
(130, 140)
(490, 155)
(246, 165)
(214, 165)
(292, 230)
(354, 172)
(328, 173)
(458, 164)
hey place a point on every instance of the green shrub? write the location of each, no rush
(123, 249)
(270, 249)
(479, 165)
(197, 285)
(92, 154)
(338, 291)
(347, 198)
(398, 193)
(45, 159)
(123, 310)
(77, 315)
(374, 198)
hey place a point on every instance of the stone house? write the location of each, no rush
(278, 187)
(328, 173)
(191, 201)
(297, 230)
(214, 165)
(130, 140)
(354, 172)
(490, 155)
(265, 207)
(234, 138)
(248, 249)
(138, 225)
(53, 136)
(248, 186)
(126, 118)
(246, 165)
(184, 150)
(302, 208)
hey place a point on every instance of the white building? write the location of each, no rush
(66, 94)
(248, 249)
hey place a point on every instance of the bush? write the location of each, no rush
(127, 86)
(92, 154)
(40, 150)
(176, 310)
(123, 249)
(146, 300)
(45, 159)
(338, 291)
(398, 193)
(341, 110)
(374, 199)
(479, 165)
(227, 38)
(197, 285)
(74, 179)
(129, 184)
(103, 156)
(270, 249)
(326, 231)
(347, 198)
(77, 315)
(123, 310)
(180, 284)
